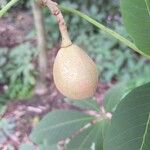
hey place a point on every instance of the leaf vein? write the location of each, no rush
(145, 133)
(147, 7)
(64, 123)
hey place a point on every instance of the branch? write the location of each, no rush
(53, 6)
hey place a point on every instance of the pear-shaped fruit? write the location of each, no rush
(74, 72)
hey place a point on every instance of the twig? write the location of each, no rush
(53, 6)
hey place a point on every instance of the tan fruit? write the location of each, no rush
(74, 72)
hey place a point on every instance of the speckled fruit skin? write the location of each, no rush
(75, 74)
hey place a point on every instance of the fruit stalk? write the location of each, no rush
(53, 6)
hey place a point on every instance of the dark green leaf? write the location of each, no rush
(2, 109)
(90, 137)
(136, 15)
(47, 146)
(87, 104)
(26, 147)
(130, 127)
(114, 96)
(58, 125)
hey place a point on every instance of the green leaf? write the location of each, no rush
(58, 125)
(114, 96)
(26, 147)
(2, 109)
(10, 147)
(47, 146)
(130, 127)
(91, 138)
(136, 15)
(85, 140)
(87, 104)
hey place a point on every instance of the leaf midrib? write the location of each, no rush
(145, 133)
(85, 140)
(64, 123)
(148, 8)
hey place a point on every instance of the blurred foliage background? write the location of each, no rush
(115, 61)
